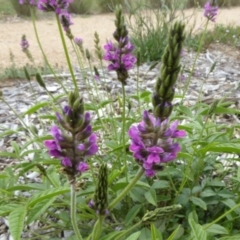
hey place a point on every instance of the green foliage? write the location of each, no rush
(194, 197)
(229, 35)
(21, 10)
(6, 8)
(93, 6)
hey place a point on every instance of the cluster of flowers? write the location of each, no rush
(57, 6)
(24, 43)
(210, 11)
(72, 150)
(120, 55)
(152, 142)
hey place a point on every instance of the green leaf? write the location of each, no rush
(151, 197)
(7, 208)
(208, 193)
(225, 147)
(8, 154)
(160, 184)
(216, 229)
(186, 110)
(231, 204)
(198, 202)
(27, 187)
(112, 235)
(15, 147)
(134, 236)
(132, 214)
(34, 108)
(236, 237)
(39, 209)
(172, 236)
(47, 194)
(16, 222)
(197, 230)
(156, 235)
(113, 175)
(7, 133)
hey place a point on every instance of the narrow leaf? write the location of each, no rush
(134, 236)
(197, 230)
(16, 222)
(47, 194)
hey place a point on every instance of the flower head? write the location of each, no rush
(152, 142)
(65, 19)
(75, 142)
(210, 11)
(78, 41)
(120, 54)
(24, 43)
(56, 6)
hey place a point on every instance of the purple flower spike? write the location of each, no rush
(152, 143)
(120, 58)
(210, 11)
(57, 6)
(82, 167)
(65, 19)
(24, 44)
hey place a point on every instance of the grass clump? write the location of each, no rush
(229, 35)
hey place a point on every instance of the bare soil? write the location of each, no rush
(12, 29)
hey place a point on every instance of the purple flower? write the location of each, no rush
(24, 43)
(78, 41)
(65, 19)
(66, 162)
(90, 147)
(82, 167)
(210, 11)
(57, 134)
(152, 142)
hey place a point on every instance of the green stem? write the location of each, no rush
(66, 53)
(222, 216)
(97, 228)
(123, 131)
(73, 212)
(195, 61)
(128, 230)
(43, 53)
(126, 189)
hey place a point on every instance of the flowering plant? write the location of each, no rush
(105, 171)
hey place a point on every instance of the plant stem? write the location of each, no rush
(123, 132)
(66, 53)
(73, 211)
(194, 63)
(44, 55)
(128, 230)
(126, 189)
